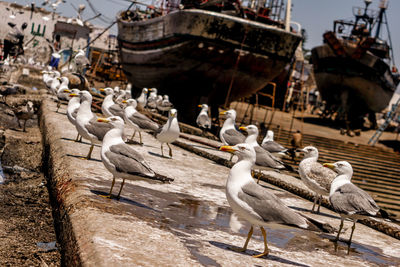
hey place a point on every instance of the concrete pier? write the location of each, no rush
(185, 223)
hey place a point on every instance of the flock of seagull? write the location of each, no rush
(246, 197)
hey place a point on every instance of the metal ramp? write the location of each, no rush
(393, 114)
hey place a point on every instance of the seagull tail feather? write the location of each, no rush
(318, 226)
(288, 167)
(163, 179)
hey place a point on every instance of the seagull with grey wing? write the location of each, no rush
(72, 109)
(255, 203)
(86, 122)
(169, 132)
(137, 120)
(314, 175)
(228, 134)
(203, 120)
(122, 160)
(273, 147)
(350, 201)
(109, 107)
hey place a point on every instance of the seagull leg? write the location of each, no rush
(351, 236)
(77, 138)
(319, 203)
(170, 150)
(315, 201)
(162, 152)
(140, 138)
(120, 190)
(338, 234)
(58, 105)
(231, 157)
(24, 130)
(90, 152)
(266, 250)
(246, 243)
(112, 186)
(133, 135)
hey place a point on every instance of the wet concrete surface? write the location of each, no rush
(187, 222)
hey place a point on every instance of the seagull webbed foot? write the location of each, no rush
(265, 253)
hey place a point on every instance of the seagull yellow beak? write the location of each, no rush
(329, 165)
(242, 128)
(67, 91)
(124, 101)
(222, 112)
(73, 94)
(227, 149)
(199, 106)
(102, 90)
(103, 120)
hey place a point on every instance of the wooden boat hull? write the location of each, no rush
(198, 56)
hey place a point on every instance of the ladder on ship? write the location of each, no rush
(390, 116)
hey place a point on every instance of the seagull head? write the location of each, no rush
(107, 91)
(115, 121)
(270, 135)
(74, 92)
(341, 167)
(203, 106)
(153, 90)
(310, 152)
(243, 151)
(130, 102)
(64, 80)
(145, 90)
(85, 96)
(172, 113)
(250, 129)
(229, 114)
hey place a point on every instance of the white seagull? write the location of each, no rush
(271, 146)
(203, 120)
(62, 91)
(122, 160)
(137, 120)
(254, 203)
(314, 175)
(350, 201)
(169, 132)
(142, 99)
(228, 134)
(86, 122)
(152, 99)
(73, 107)
(109, 107)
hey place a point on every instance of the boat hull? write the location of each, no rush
(198, 56)
(365, 84)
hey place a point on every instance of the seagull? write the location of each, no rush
(228, 134)
(271, 146)
(263, 157)
(314, 175)
(169, 132)
(62, 91)
(24, 113)
(142, 99)
(138, 121)
(348, 200)
(128, 91)
(73, 107)
(122, 160)
(254, 203)
(152, 99)
(81, 61)
(86, 122)
(109, 107)
(165, 105)
(203, 120)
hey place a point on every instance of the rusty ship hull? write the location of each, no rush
(198, 56)
(344, 81)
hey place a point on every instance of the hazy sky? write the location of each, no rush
(316, 16)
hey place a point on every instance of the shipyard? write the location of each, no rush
(199, 133)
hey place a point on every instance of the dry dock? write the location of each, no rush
(185, 223)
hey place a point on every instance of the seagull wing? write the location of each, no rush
(321, 175)
(98, 129)
(269, 207)
(264, 158)
(233, 137)
(273, 147)
(144, 122)
(116, 110)
(349, 199)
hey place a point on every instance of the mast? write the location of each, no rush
(382, 10)
(288, 15)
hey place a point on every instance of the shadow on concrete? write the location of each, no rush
(250, 252)
(122, 199)
(73, 140)
(394, 144)
(83, 158)
(158, 155)
(320, 213)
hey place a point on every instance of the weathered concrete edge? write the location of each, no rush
(380, 226)
(60, 185)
